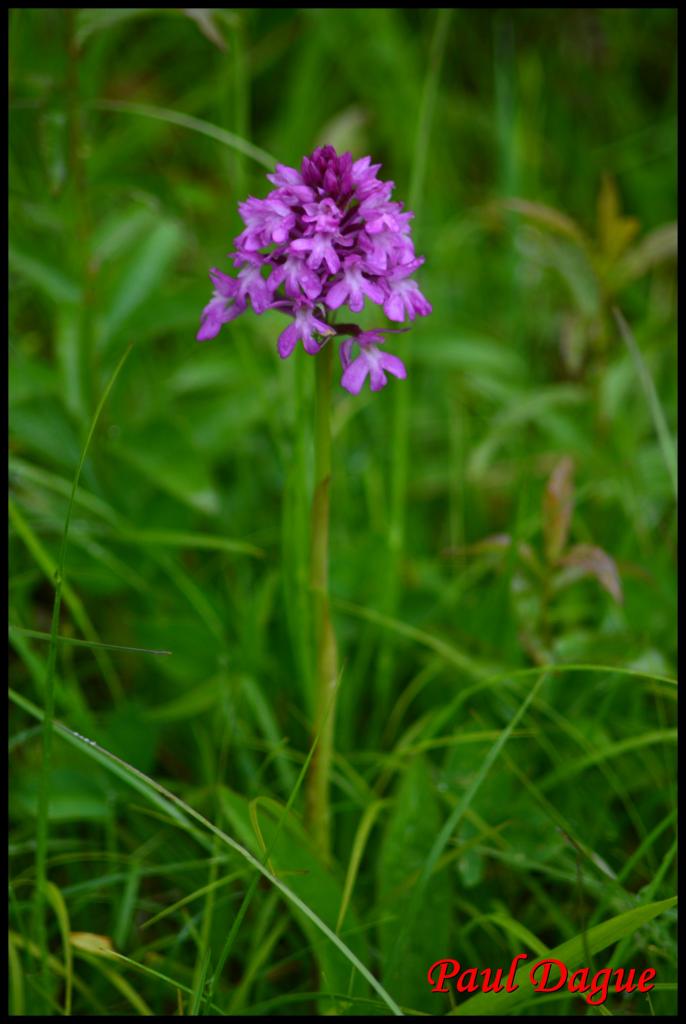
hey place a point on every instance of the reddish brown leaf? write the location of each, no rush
(558, 503)
(588, 560)
(657, 247)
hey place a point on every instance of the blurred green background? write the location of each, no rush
(510, 506)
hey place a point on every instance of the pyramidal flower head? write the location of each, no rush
(326, 237)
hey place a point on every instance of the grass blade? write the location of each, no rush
(180, 811)
(45, 787)
(261, 156)
(75, 642)
(664, 437)
(455, 817)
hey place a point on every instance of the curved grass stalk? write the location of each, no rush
(180, 811)
(73, 641)
(45, 785)
(667, 445)
(195, 124)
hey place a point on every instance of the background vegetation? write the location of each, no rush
(503, 529)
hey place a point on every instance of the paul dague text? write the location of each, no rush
(544, 975)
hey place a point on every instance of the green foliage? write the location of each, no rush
(412, 825)
(510, 507)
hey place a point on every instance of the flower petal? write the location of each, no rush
(392, 364)
(338, 293)
(377, 378)
(355, 375)
(394, 308)
(344, 352)
(209, 328)
(287, 340)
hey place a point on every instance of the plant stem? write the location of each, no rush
(46, 781)
(318, 809)
(81, 397)
(78, 190)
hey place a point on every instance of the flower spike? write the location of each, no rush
(328, 235)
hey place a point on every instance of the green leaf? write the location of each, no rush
(74, 642)
(70, 360)
(571, 768)
(29, 379)
(163, 454)
(51, 435)
(124, 228)
(142, 275)
(409, 837)
(180, 812)
(56, 901)
(72, 799)
(449, 652)
(447, 831)
(536, 407)
(474, 354)
(91, 20)
(615, 232)
(662, 430)
(200, 541)
(17, 1003)
(53, 283)
(546, 217)
(292, 856)
(194, 124)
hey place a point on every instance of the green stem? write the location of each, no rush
(82, 398)
(39, 921)
(46, 782)
(326, 678)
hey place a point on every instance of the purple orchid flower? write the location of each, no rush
(353, 286)
(222, 307)
(303, 328)
(327, 234)
(371, 362)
